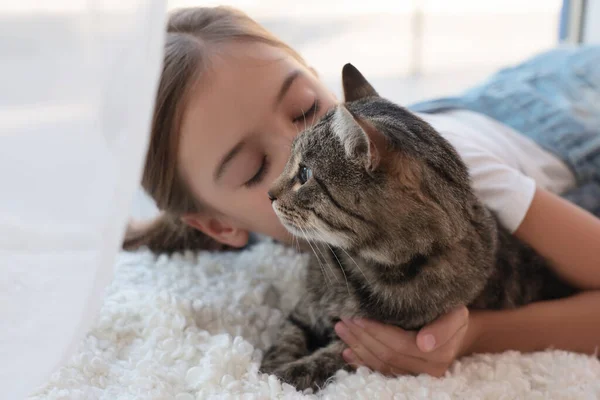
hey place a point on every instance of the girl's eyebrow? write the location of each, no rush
(287, 83)
(226, 160)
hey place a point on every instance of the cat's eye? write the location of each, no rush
(307, 114)
(304, 175)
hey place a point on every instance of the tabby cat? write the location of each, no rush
(397, 233)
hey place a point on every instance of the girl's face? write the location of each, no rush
(236, 132)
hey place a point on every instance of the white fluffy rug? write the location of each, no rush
(193, 327)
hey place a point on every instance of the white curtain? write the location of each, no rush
(77, 85)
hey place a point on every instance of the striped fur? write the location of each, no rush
(396, 230)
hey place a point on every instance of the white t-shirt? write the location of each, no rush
(505, 166)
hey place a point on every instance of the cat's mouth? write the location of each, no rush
(286, 218)
(290, 220)
(305, 227)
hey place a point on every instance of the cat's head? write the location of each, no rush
(373, 178)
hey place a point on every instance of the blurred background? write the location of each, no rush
(410, 49)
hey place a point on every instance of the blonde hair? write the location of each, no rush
(191, 34)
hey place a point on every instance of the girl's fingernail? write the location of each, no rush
(341, 329)
(428, 342)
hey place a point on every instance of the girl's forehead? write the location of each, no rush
(249, 58)
(238, 71)
(242, 75)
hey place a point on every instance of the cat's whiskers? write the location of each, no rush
(318, 259)
(338, 260)
(298, 246)
(314, 114)
(325, 258)
(303, 116)
(294, 241)
(312, 123)
(357, 266)
(295, 238)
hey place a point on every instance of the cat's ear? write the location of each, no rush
(355, 85)
(361, 140)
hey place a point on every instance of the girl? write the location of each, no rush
(231, 99)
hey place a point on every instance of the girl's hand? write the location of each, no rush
(394, 351)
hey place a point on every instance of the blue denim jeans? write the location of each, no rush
(552, 98)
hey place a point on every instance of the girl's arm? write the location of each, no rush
(557, 229)
(569, 237)
(566, 235)
(571, 324)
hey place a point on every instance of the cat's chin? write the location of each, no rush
(301, 233)
(322, 237)
(310, 235)
(295, 231)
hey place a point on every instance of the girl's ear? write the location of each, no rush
(220, 229)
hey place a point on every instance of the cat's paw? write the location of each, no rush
(301, 375)
(273, 359)
(269, 366)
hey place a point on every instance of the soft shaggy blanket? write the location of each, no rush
(193, 326)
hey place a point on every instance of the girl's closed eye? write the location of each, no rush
(264, 166)
(260, 173)
(311, 112)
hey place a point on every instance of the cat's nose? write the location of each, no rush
(271, 196)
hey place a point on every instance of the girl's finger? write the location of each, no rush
(384, 341)
(440, 331)
(355, 361)
(392, 337)
(365, 350)
(358, 349)
(352, 359)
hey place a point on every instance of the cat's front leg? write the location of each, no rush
(293, 340)
(313, 370)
